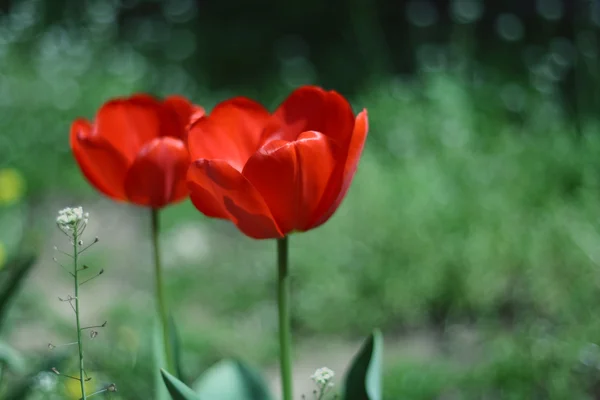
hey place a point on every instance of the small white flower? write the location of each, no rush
(69, 218)
(323, 377)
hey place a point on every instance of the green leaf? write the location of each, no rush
(231, 380)
(177, 389)
(11, 358)
(160, 391)
(12, 275)
(363, 380)
(159, 357)
(175, 346)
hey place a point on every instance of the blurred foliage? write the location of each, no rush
(475, 204)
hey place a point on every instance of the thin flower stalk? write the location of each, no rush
(72, 222)
(77, 312)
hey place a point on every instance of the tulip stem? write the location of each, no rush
(160, 295)
(283, 293)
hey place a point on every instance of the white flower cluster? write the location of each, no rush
(69, 218)
(323, 377)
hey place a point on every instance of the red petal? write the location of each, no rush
(311, 108)
(157, 176)
(183, 108)
(359, 136)
(103, 165)
(339, 186)
(184, 112)
(231, 132)
(219, 190)
(292, 177)
(129, 123)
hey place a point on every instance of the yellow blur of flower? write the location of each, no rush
(2, 255)
(73, 388)
(12, 186)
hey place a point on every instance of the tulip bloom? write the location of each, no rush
(135, 150)
(272, 174)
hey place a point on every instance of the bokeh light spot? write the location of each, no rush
(509, 27)
(421, 13)
(563, 51)
(587, 44)
(179, 11)
(552, 10)
(12, 186)
(466, 11)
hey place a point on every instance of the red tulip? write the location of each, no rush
(272, 174)
(135, 150)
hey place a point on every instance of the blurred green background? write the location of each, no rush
(470, 235)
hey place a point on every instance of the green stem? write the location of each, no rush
(2, 367)
(79, 341)
(285, 340)
(160, 295)
(322, 392)
(97, 392)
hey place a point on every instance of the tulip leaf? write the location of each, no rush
(232, 380)
(12, 275)
(175, 347)
(159, 356)
(363, 380)
(160, 391)
(178, 389)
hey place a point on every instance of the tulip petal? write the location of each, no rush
(292, 177)
(310, 108)
(183, 108)
(157, 176)
(182, 113)
(128, 123)
(231, 132)
(357, 144)
(342, 178)
(217, 189)
(103, 165)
